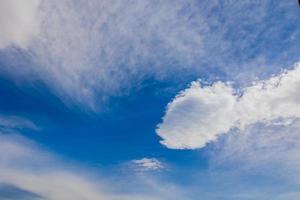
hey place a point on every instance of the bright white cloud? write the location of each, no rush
(146, 164)
(198, 115)
(19, 22)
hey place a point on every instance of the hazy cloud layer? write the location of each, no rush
(39, 174)
(257, 160)
(198, 115)
(274, 147)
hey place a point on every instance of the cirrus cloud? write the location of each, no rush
(86, 52)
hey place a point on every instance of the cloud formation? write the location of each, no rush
(257, 159)
(275, 147)
(198, 115)
(148, 164)
(88, 51)
(11, 123)
(19, 22)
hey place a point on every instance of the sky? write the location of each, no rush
(149, 100)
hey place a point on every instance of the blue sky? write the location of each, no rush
(151, 100)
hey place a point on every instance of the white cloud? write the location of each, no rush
(19, 22)
(198, 115)
(146, 164)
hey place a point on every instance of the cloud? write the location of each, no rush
(19, 22)
(88, 51)
(148, 164)
(198, 115)
(274, 147)
(256, 160)
(10, 123)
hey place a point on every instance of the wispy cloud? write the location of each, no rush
(88, 51)
(40, 173)
(96, 47)
(10, 123)
(148, 164)
(251, 164)
(26, 167)
(260, 146)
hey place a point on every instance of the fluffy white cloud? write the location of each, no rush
(19, 22)
(146, 164)
(199, 114)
